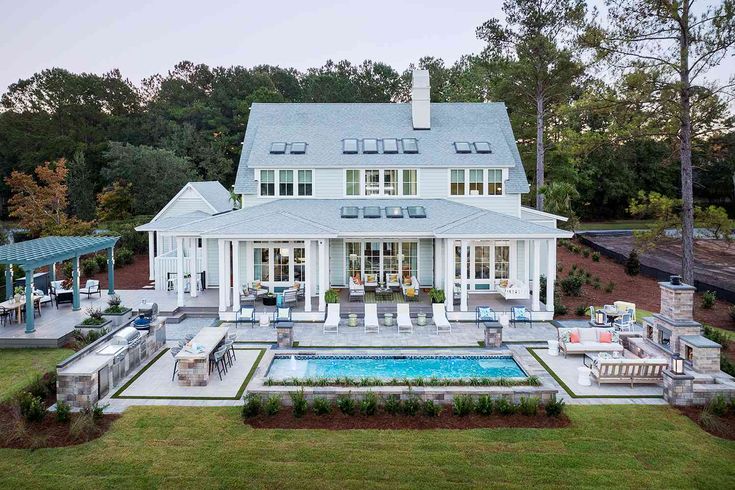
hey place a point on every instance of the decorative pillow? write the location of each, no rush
(257, 284)
(410, 292)
(565, 336)
(407, 280)
(296, 285)
(520, 312)
(605, 337)
(504, 283)
(485, 313)
(588, 335)
(574, 337)
(370, 278)
(392, 277)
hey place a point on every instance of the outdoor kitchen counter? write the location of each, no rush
(193, 368)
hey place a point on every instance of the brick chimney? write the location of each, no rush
(421, 100)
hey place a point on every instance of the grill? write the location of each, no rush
(126, 336)
(148, 310)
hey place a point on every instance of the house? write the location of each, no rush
(334, 191)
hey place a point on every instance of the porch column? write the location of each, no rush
(463, 275)
(29, 299)
(438, 261)
(75, 283)
(222, 272)
(151, 255)
(323, 268)
(550, 274)
(111, 271)
(307, 274)
(236, 284)
(536, 300)
(250, 263)
(205, 265)
(179, 271)
(8, 281)
(449, 274)
(527, 262)
(227, 279)
(193, 272)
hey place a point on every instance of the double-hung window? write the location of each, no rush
(410, 184)
(457, 182)
(285, 182)
(353, 182)
(477, 183)
(372, 182)
(305, 183)
(267, 182)
(494, 182)
(390, 182)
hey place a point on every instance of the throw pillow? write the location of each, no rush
(605, 337)
(296, 285)
(485, 313)
(407, 280)
(574, 337)
(410, 292)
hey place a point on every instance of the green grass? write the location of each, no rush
(18, 367)
(186, 447)
(621, 224)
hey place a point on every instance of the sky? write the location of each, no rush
(143, 38)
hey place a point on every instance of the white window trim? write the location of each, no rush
(399, 258)
(295, 182)
(381, 194)
(485, 175)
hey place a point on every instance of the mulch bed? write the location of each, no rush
(17, 433)
(725, 427)
(446, 420)
(131, 276)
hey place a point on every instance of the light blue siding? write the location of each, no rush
(337, 262)
(212, 262)
(426, 262)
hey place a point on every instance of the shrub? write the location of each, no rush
(412, 405)
(83, 427)
(572, 285)
(346, 404)
(710, 421)
(716, 336)
(31, 407)
(432, 409)
(392, 404)
(574, 249)
(610, 287)
(94, 317)
(559, 267)
(331, 296)
(42, 386)
(559, 308)
(633, 264)
(369, 404)
(574, 269)
(123, 256)
(89, 267)
(554, 408)
(529, 405)
(252, 406)
(581, 310)
(96, 411)
(595, 256)
(101, 262)
(504, 407)
(63, 411)
(708, 299)
(114, 304)
(718, 405)
(463, 405)
(272, 405)
(484, 405)
(300, 405)
(586, 252)
(66, 269)
(321, 406)
(731, 311)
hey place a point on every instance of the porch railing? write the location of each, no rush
(165, 264)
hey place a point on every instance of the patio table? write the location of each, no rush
(613, 314)
(194, 358)
(17, 306)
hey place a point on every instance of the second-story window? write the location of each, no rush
(410, 185)
(457, 183)
(353, 182)
(372, 182)
(495, 182)
(267, 183)
(305, 182)
(285, 182)
(477, 183)
(474, 181)
(390, 182)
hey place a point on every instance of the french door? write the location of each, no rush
(280, 264)
(381, 258)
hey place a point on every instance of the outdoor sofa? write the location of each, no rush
(590, 339)
(633, 371)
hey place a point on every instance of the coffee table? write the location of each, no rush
(383, 293)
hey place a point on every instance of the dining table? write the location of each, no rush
(16, 306)
(613, 314)
(193, 359)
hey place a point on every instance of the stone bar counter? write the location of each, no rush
(193, 369)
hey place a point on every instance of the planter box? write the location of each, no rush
(118, 319)
(97, 328)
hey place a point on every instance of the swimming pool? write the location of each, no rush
(388, 367)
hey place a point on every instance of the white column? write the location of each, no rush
(151, 255)
(550, 273)
(449, 274)
(513, 260)
(463, 275)
(249, 262)
(438, 263)
(179, 271)
(236, 283)
(536, 300)
(527, 262)
(307, 275)
(323, 268)
(205, 265)
(222, 272)
(228, 274)
(193, 272)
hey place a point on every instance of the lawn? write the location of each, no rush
(611, 446)
(622, 224)
(18, 367)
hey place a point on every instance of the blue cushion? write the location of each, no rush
(520, 312)
(485, 313)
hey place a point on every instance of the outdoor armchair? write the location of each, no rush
(91, 287)
(520, 314)
(246, 314)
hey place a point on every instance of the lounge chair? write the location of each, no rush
(371, 281)
(392, 280)
(403, 318)
(331, 323)
(520, 314)
(246, 314)
(371, 318)
(91, 287)
(290, 295)
(484, 314)
(440, 318)
(282, 314)
(410, 289)
(357, 291)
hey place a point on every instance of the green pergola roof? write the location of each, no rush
(50, 249)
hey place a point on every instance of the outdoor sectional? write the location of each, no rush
(589, 340)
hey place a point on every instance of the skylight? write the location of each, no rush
(370, 145)
(482, 147)
(416, 211)
(350, 211)
(410, 145)
(462, 147)
(394, 212)
(278, 148)
(371, 212)
(298, 148)
(390, 145)
(349, 145)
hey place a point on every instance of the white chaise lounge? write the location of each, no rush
(331, 323)
(440, 318)
(371, 318)
(403, 317)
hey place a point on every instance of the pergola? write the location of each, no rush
(47, 251)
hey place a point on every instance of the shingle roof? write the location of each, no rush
(163, 224)
(215, 194)
(324, 126)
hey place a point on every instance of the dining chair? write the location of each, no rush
(174, 351)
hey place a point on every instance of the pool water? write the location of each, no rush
(389, 367)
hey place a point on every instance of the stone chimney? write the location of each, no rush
(421, 100)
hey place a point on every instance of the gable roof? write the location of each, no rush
(324, 126)
(213, 194)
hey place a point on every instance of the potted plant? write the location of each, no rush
(116, 312)
(95, 321)
(269, 299)
(18, 293)
(437, 295)
(331, 296)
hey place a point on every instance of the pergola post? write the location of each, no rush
(29, 302)
(75, 283)
(111, 271)
(52, 271)
(8, 281)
